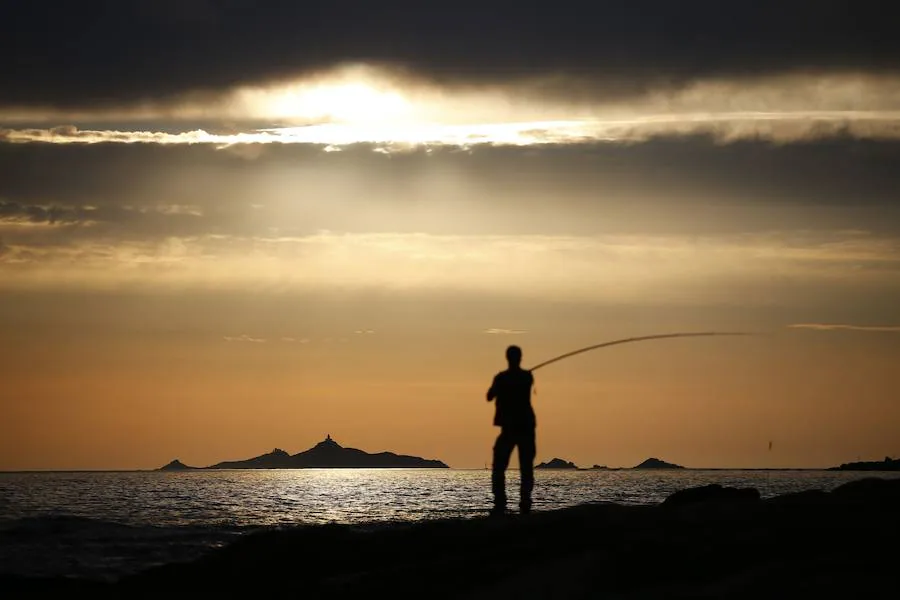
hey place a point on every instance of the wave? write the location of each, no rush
(74, 525)
(76, 546)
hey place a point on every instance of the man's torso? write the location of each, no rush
(513, 389)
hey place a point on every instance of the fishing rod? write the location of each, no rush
(634, 339)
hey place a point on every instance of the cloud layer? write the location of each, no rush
(140, 50)
(776, 127)
(841, 326)
(636, 269)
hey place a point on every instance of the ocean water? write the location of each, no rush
(103, 525)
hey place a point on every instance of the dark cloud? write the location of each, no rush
(32, 213)
(107, 51)
(158, 220)
(14, 211)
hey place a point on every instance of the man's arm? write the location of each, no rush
(492, 391)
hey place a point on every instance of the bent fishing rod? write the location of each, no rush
(635, 339)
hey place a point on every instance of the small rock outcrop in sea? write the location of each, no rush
(888, 464)
(600, 468)
(557, 463)
(655, 463)
(176, 465)
(328, 454)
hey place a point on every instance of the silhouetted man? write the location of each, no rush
(515, 417)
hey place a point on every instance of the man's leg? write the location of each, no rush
(502, 450)
(527, 451)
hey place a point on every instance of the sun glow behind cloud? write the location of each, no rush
(362, 104)
(351, 97)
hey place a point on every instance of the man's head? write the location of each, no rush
(514, 356)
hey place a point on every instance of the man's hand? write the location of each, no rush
(492, 391)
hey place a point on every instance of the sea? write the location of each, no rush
(104, 525)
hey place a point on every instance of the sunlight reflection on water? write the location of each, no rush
(306, 496)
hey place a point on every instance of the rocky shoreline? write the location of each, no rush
(708, 542)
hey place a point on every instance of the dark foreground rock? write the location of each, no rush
(713, 543)
(713, 494)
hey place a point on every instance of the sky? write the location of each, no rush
(233, 225)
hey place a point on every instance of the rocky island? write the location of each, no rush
(556, 463)
(176, 465)
(327, 454)
(650, 463)
(655, 463)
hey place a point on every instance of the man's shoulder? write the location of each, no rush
(514, 374)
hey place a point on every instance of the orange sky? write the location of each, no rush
(122, 381)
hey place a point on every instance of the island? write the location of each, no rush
(176, 465)
(327, 454)
(276, 459)
(557, 463)
(655, 463)
(888, 464)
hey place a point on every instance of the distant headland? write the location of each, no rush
(327, 454)
(888, 464)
